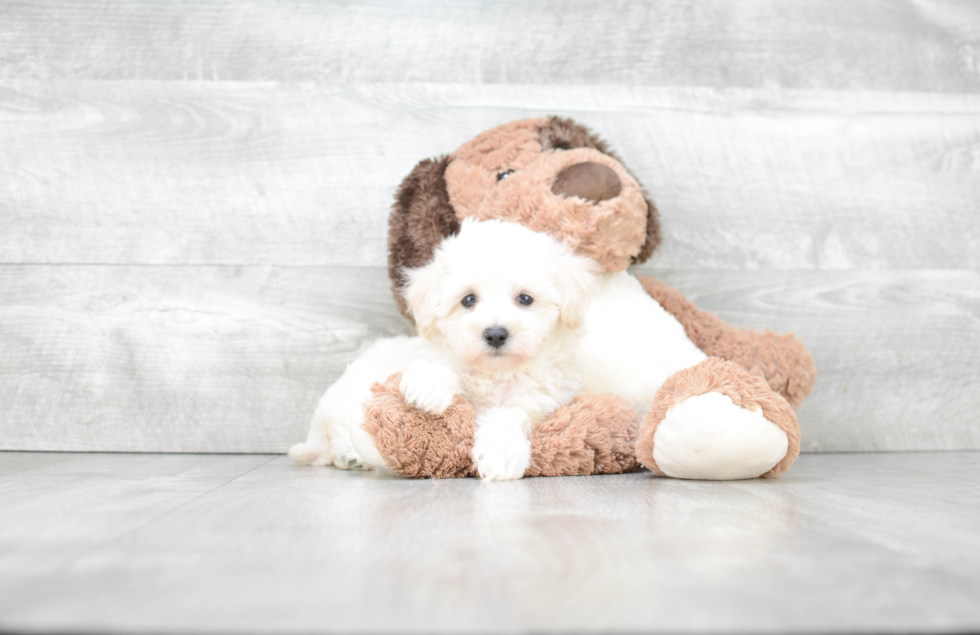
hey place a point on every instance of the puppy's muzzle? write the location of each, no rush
(495, 336)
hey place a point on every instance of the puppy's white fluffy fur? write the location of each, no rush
(492, 275)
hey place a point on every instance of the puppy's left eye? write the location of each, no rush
(468, 301)
(503, 175)
(525, 299)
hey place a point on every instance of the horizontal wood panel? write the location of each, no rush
(178, 359)
(896, 45)
(303, 174)
(233, 359)
(896, 351)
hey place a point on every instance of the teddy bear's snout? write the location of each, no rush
(589, 180)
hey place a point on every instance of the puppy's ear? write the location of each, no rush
(575, 279)
(422, 294)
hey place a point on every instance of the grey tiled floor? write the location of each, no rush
(170, 543)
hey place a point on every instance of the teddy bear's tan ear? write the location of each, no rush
(653, 234)
(420, 218)
(561, 132)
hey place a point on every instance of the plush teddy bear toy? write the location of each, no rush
(694, 397)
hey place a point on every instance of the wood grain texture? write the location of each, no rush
(906, 45)
(233, 359)
(895, 351)
(194, 196)
(270, 174)
(178, 359)
(151, 543)
(80, 497)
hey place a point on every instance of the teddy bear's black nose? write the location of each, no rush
(589, 180)
(495, 336)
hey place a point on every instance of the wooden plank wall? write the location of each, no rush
(193, 196)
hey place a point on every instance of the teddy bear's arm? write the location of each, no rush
(595, 434)
(782, 360)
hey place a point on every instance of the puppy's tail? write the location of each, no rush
(311, 454)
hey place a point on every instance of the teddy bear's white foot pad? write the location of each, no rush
(708, 437)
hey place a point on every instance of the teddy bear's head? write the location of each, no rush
(551, 175)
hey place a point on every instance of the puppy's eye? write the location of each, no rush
(525, 299)
(503, 175)
(468, 301)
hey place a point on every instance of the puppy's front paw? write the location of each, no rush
(501, 449)
(429, 387)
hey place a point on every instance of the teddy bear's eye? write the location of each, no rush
(468, 301)
(503, 175)
(525, 299)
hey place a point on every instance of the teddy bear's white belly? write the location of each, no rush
(631, 345)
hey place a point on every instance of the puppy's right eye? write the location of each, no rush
(468, 301)
(503, 175)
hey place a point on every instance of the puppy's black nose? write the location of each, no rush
(495, 336)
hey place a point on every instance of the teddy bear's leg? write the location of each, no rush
(595, 434)
(717, 421)
(781, 358)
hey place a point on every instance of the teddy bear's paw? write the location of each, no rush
(717, 421)
(501, 448)
(709, 437)
(429, 387)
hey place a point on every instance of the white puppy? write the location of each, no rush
(497, 309)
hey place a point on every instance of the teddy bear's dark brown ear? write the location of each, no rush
(564, 133)
(420, 218)
(653, 234)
